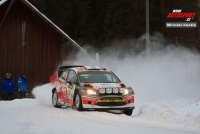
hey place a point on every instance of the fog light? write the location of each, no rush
(109, 90)
(115, 90)
(102, 90)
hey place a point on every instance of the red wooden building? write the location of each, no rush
(30, 43)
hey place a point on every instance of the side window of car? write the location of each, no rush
(72, 77)
(64, 75)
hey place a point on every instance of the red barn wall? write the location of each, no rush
(28, 45)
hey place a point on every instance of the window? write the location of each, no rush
(72, 77)
(98, 77)
(64, 75)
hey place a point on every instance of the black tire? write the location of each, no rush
(55, 100)
(128, 112)
(78, 102)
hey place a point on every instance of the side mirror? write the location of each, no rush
(81, 84)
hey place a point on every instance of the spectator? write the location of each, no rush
(22, 87)
(8, 87)
(53, 77)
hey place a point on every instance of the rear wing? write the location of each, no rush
(63, 68)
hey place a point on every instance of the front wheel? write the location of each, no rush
(55, 100)
(128, 112)
(78, 102)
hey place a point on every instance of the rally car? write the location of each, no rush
(91, 88)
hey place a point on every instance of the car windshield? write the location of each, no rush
(98, 77)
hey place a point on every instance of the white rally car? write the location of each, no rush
(91, 88)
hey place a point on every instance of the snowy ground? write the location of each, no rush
(167, 88)
(38, 116)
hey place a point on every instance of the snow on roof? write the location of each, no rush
(48, 21)
(2, 1)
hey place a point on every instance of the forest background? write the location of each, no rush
(102, 23)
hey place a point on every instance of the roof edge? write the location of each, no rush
(2, 2)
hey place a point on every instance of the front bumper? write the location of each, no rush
(95, 103)
(99, 108)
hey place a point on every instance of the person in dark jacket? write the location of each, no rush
(8, 87)
(22, 86)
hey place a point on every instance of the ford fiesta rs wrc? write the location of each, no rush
(91, 88)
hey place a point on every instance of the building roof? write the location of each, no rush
(2, 1)
(56, 28)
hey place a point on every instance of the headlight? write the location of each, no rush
(91, 92)
(126, 91)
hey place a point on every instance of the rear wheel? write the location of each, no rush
(55, 100)
(78, 102)
(128, 112)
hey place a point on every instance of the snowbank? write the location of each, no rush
(185, 112)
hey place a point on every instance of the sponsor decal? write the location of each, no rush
(79, 69)
(103, 85)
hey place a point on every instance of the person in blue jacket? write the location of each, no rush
(22, 86)
(8, 87)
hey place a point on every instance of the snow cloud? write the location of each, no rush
(155, 72)
(165, 78)
(43, 94)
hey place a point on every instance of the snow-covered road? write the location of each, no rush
(38, 116)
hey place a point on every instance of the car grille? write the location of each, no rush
(111, 101)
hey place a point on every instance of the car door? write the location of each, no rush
(71, 83)
(62, 87)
